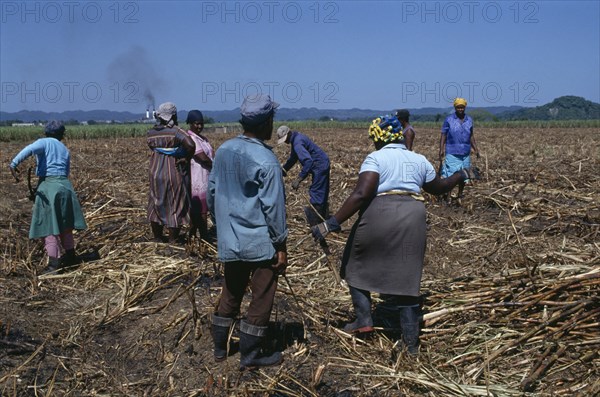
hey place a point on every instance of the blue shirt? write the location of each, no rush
(458, 134)
(310, 155)
(246, 195)
(52, 157)
(399, 168)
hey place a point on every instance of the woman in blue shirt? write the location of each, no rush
(56, 209)
(456, 142)
(386, 247)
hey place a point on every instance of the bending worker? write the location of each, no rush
(386, 246)
(56, 208)
(314, 162)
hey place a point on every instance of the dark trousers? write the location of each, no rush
(263, 284)
(319, 188)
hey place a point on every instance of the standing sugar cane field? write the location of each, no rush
(510, 288)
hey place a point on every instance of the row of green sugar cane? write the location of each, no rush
(28, 133)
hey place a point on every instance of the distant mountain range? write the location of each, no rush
(562, 108)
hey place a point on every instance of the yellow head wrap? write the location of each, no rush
(391, 131)
(460, 101)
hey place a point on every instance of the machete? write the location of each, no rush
(32, 190)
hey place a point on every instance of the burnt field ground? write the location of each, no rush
(510, 287)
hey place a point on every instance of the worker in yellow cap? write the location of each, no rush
(460, 102)
(456, 142)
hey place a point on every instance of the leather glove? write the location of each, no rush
(324, 228)
(296, 183)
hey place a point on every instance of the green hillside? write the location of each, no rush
(562, 108)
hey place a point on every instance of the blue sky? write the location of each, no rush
(129, 55)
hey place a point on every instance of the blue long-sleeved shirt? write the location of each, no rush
(308, 153)
(52, 157)
(246, 195)
(458, 134)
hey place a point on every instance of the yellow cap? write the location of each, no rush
(460, 101)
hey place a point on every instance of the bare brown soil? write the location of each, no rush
(510, 285)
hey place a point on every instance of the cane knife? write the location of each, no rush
(323, 244)
(32, 190)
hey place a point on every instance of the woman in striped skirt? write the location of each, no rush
(169, 198)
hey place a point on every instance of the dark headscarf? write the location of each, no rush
(194, 116)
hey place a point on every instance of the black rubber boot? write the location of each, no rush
(175, 237)
(203, 228)
(410, 317)
(54, 266)
(69, 258)
(157, 232)
(251, 339)
(220, 329)
(361, 300)
(192, 233)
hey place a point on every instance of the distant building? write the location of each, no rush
(23, 124)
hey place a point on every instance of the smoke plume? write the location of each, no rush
(135, 67)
